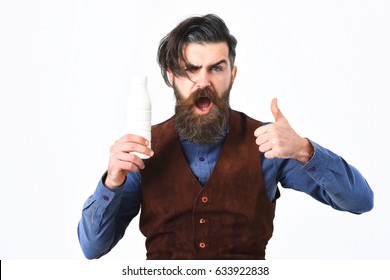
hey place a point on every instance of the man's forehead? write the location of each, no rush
(205, 53)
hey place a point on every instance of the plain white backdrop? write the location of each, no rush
(64, 76)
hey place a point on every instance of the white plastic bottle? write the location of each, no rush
(139, 110)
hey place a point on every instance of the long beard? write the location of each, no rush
(202, 129)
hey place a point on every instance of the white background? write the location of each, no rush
(64, 76)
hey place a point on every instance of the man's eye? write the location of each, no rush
(216, 68)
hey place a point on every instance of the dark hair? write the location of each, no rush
(206, 29)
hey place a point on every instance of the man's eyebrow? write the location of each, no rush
(222, 61)
(190, 66)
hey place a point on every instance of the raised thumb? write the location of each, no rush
(276, 111)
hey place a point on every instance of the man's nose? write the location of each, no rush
(202, 80)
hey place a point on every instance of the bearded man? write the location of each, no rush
(209, 188)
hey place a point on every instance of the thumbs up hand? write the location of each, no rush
(279, 140)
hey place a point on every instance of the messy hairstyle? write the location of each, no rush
(206, 29)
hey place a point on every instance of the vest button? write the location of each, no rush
(202, 245)
(205, 199)
(202, 221)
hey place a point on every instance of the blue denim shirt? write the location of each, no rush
(326, 177)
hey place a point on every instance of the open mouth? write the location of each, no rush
(203, 103)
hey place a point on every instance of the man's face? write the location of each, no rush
(208, 66)
(202, 107)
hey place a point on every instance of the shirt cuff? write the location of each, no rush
(105, 196)
(318, 162)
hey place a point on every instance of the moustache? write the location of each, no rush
(200, 97)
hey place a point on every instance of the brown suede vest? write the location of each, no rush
(230, 217)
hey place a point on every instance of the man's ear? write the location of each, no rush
(234, 73)
(170, 76)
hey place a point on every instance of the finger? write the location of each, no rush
(262, 130)
(278, 116)
(131, 158)
(132, 147)
(119, 167)
(127, 166)
(267, 146)
(269, 154)
(262, 139)
(133, 138)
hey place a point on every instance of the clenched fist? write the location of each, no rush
(122, 161)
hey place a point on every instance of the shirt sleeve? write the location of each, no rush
(106, 215)
(328, 178)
